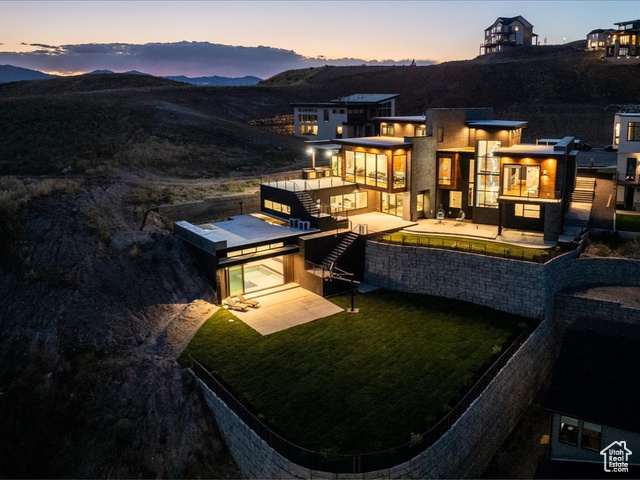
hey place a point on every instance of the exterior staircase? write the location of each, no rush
(307, 202)
(337, 252)
(585, 190)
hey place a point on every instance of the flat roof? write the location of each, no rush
(374, 142)
(529, 149)
(595, 375)
(324, 146)
(497, 123)
(366, 98)
(630, 114)
(406, 118)
(245, 230)
(457, 149)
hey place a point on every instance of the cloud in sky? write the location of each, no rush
(178, 58)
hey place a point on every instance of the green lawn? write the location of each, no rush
(354, 383)
(486, 247)
(628, 222)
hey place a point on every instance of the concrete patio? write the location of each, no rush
(285, 307)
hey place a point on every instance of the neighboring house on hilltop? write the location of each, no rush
(594, 396)
(457, 159)
(623, 44)
(508, 32)
(626, 138)
(345, 117)
(597, 39)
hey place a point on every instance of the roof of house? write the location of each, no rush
(405, 119)
(509, 21)
(600, 30)
(497, 124)
(374, 142)
(595, 377)
(246, 230)
(365, 98)
(627, 22)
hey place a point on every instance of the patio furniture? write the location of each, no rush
(251, 303)
(233, 305)
(460, 218)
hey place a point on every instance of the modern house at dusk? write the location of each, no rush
(623, 44)
(508, 32)
(452, 160)
(345, 117)
(626, 138)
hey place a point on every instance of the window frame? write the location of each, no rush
(633, 132)
(564, 440)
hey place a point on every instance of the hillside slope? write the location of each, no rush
(560, 90)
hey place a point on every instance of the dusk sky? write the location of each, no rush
(198, 38)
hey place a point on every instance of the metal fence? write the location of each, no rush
(359, 463)
(511, 252)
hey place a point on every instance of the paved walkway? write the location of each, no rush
(285, 307)
(604, 204)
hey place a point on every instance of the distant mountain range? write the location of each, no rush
(9, 73)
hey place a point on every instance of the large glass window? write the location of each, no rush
(444, 171)
(521, 180)
(381, 170)
(388, 130)
(568, 430)
(488, 176)
(308, 130)
(371, 168)
(391, 203)
(399, 171)
(630, 175)
(366, 168)
(360, 172)
(336, 165)
(349, 201)
(350, 166)
(633, 132)
(527, 210)
(591, 436)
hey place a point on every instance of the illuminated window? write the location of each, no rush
(488, 176)
(444, 171)
(308, 130)
(278, 207)
(399, 170)
(326, 115)
(633, 132)
(421, 131)
(616, 140)
(388, 130)
(521, 180)
(527, 210)
(339, 131)
(349, 201)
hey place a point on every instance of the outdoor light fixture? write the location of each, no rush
(544, 172)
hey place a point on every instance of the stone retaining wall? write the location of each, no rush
(572, 308)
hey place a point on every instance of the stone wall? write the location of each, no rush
(510, 285)
(572, 308)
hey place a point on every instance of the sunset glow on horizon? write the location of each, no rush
(434, 31)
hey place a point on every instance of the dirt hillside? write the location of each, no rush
(93, 313)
